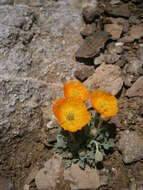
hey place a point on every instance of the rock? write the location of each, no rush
(84, 179)
(92, 44)
(114, 29)
(99, 60)
(6, 2)
(137, 1)
(136, 32)
(112, 55)
(28, 105)
(48, 137)
(119, 47)
(19, 16)
(111, 58)
(88, 30)
(116, 121)
(47, 177)
(132, 70)
(31, 177)
(83, 72)
(89, 14)
(16, 63)
(26, 187)
(98, 80)
(8, 35)
(114, 2)
(55, 176)
(131, 146)
(121, 10)
(136, 89)
(6, 184)
(120, 21)
(140, 53)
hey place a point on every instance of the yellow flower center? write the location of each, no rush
(70, 116)
(101, 104)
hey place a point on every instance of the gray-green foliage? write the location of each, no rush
(87, 146)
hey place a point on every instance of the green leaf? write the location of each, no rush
(82, 164)
(91, 155)
(61, 142)
(68, 163)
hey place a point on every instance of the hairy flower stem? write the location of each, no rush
(72, 137)
(100, 123)
(96, 117)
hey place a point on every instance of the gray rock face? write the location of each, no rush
(21, 103)
(131, 146)
(16, 63)
(19, 16)
(30, 66)
(92, 44)
(111, 72)
(8, 35)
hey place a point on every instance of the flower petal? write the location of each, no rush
(76, 89)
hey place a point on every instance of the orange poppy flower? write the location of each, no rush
(71, 115)
(76, 89)
(104, 103)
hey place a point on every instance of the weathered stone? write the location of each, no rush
(114, 29)
(16, 63)
(49, 136)
(6, 2)
(84, 179)
(31, 176)
(131, 146)
(111, 58)
(6, 184)
(121, 10)
(120, 21)
(136, 32)
(92, 45)
(136, 89)
(114, 2)
(99, 60)
(132, 70)
(88, 30)
(27, 106)
(98, 80)
(113, 52)
(47, 178)
(140, 53)
(89, 14)
(8, 35)
(19, 16)
(54, 175)
(83, 72)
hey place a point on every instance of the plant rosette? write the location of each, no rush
(84, 137)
